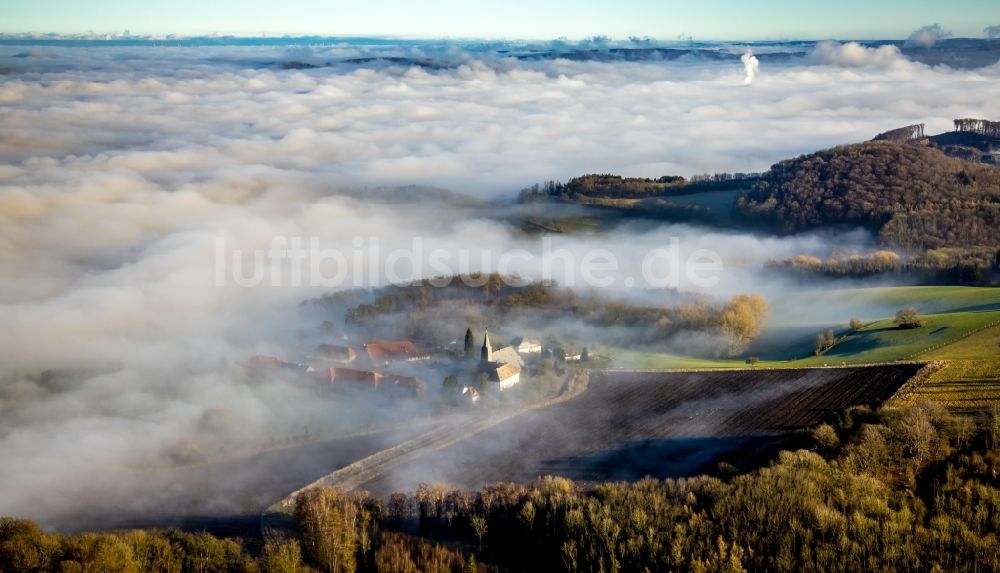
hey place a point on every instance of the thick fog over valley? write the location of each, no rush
(127, 168)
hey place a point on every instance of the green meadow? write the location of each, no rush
(957, 326)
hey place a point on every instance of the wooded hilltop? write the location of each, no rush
(935, 200)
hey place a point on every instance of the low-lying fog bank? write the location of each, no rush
(123, 170)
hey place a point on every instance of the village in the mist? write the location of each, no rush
(246, 279)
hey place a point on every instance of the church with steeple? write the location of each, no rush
(502, 365)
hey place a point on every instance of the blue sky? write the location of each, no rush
(521, 19)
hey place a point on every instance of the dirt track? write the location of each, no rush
(438, 437)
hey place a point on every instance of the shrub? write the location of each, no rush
(826, 437)
(908, 318)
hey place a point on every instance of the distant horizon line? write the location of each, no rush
(594, 39)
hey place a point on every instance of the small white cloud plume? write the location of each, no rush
(751, 66)
(854, 55)
(927, 36)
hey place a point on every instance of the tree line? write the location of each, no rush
(936, 266)
(978, 126)
(429, 309)
(615, 186)
(896, 489)
(902, 134)
(609, 186)
(911, 489)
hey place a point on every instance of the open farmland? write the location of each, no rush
(970, 376)
(959, 324)
(631, 424)
(951, 314)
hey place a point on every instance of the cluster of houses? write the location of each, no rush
(353, 368)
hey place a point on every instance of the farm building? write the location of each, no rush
(335, 353)
(390, 352)
(400, 386)
(503, 365)
(349, 379)
(339, 376)
(528, 346)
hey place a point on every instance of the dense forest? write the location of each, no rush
(914, 197)
(607, 186)
(935, 199)
(911, 489)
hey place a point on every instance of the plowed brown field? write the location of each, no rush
(631, 424)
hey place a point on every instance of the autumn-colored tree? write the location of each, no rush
(825, 341)
(742, 319)
(282, 556)
(408, 554)
(479, 527)
(820, 344)
(328, 519)
(826, 438)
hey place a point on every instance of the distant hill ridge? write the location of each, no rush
(915, 191)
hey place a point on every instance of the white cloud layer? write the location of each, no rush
(854, 55)
(120, 167)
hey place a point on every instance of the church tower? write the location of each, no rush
(487, 353)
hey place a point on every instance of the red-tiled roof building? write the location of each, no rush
(399, 351)
(268, 363)
(383, 383)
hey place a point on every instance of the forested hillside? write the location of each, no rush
(911, 489)
(912, 196)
